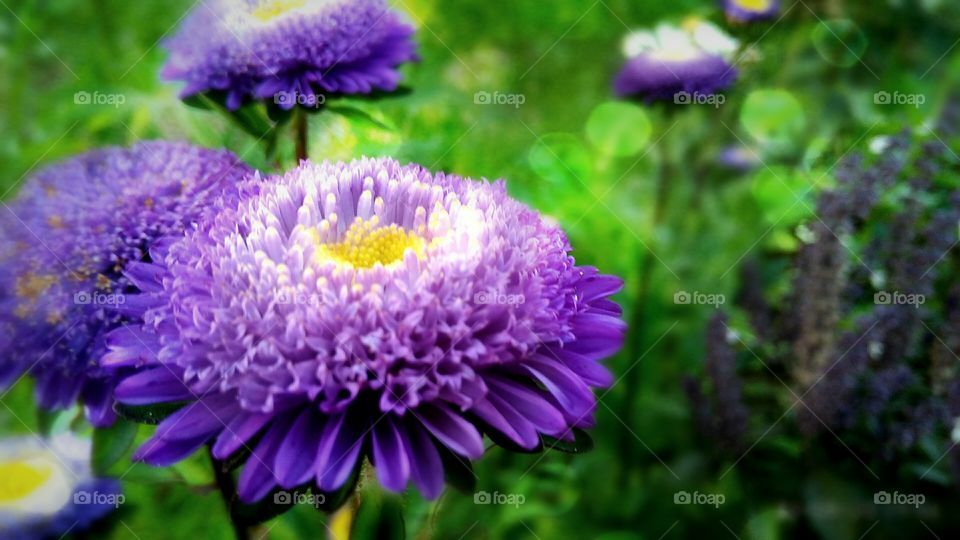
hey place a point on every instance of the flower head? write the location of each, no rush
(373, 309)
(745, 11)
(290, 51)
(693, 58)
(66, 239)
(47, 488)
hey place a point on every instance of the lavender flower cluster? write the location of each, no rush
(868, 335)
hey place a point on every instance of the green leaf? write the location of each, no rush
(359, 115)
(147, 414)
(582, 443)
(379, 517)
(618, 128)
(773, 116)
(111, 444)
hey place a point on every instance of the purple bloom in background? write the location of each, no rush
(676, 64)
(289, 51)
(48, 489)
(366, 309)
(745, 11)
(739, 158)
(66, 239)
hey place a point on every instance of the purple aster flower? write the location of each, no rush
(289, 51)
(668, 62)
(745, 11)
(66, 239)
(371, 309)
(49, 490)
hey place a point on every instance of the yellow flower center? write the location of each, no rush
(365, 244)
(754, 5)
(271, 9)
(18, 480)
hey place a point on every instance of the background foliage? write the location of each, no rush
(638, 188)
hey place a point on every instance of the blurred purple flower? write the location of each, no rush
(289, 51)
(676, 63)
(49, 490)
(367, 308)
(745, 11)
(65, 241)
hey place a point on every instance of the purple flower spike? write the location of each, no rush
(676, 64)
(67, 238)
(292, 52)
(367, 309)
(746, 11)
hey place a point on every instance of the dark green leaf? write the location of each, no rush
(458, 471)
(582, 443)
(111, 444)
(355, 114)
(147, 414)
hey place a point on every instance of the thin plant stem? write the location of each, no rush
(228, 492)
(301, 134)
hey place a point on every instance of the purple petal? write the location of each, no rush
(389, 455)
(296, 459)
(452, 430)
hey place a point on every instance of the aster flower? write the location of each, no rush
(289, 51)
(366, 309)
(745, 11)
(47, 488)
(663, 62)
(65, 241)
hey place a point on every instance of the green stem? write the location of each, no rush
(638, 317)
(228, 492)
(301, 134)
